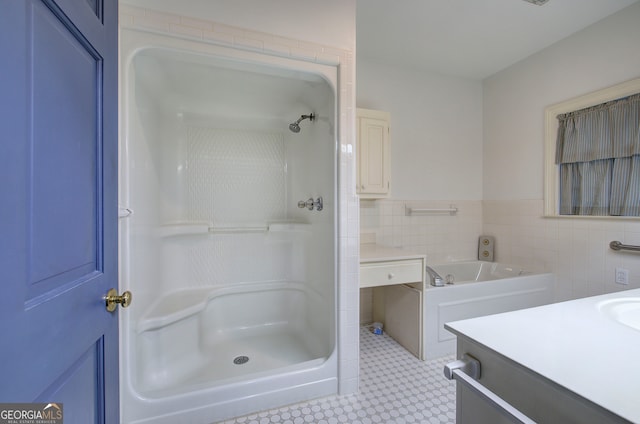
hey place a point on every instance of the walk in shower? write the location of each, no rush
(227, 231)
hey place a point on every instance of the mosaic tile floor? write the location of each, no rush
(395, 387)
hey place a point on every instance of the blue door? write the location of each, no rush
(58, 206)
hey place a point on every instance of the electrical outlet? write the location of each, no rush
(622, 276)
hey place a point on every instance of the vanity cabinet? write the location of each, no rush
(373, 154)
(397, 278)
(385, 273)
(538, 398)
(556, 363)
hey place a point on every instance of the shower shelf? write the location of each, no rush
(204, 228)
(239, 229)
(183, 229)
(289, 226)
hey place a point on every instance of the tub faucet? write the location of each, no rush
(436, 279)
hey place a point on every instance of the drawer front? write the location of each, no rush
(392, 272)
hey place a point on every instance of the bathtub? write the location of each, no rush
(478, 288)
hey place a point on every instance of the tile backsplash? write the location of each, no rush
(576, 250)
(441, 236)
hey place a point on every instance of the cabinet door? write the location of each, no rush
(403, 317)
(373, 154)
(535, 396)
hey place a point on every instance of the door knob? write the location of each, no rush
(112, 300)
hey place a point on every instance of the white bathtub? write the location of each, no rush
(478, 289)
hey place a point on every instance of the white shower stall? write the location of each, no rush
(228, 230)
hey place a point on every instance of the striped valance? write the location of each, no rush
(606, 131)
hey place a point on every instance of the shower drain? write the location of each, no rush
(239, 360)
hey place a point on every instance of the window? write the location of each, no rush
(592, 154)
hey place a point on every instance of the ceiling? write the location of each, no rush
(468, 38)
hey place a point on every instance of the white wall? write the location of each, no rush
(599, 56)
(436, 130)
(576, 250)
(328, 22)
(502, 157)
(436, 160)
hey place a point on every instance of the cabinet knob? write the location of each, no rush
(391, 275)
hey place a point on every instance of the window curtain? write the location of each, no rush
(598, 151)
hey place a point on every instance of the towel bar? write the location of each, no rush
(616, 245)
(411, 211)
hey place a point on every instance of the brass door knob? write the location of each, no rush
(112, 299)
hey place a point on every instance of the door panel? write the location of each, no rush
(64, 148)
(58, 218)
(79, 388)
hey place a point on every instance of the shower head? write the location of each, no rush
(295, 126)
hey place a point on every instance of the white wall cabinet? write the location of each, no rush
(373, 178)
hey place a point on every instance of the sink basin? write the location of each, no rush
(625, 310)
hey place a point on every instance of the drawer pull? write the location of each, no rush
(467, 371)
(391, 275)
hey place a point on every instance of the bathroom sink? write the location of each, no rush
(625, 310)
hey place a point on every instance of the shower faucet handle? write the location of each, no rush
(310, 204)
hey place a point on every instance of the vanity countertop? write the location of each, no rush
(579, 344)
(371, 252)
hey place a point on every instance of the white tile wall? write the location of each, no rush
(442, 237)
(177, 26)
(575, 249)
(245, 39)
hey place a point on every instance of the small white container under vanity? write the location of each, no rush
(569, 362)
